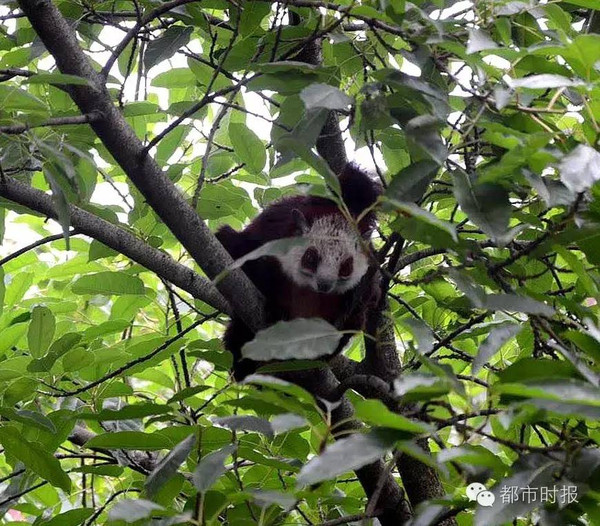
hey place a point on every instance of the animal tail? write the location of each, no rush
(359, 191)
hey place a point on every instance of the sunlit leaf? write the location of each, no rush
(166, 45)
(34, 458)
(324, 96)
(248, 147)
(543, 81)
(580, 169)
(108, 283)
(41, 331)
(479, 40)
(495, 339)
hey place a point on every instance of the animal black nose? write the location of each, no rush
(324, 286)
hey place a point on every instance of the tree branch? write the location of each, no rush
(120, 140)
(38, 243)
(139, 461)
(132, 33)
(393, 509)
(345, 9)
(15, 129)
(118, 239)
(330, 143)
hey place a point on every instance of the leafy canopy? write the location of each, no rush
(483, 119)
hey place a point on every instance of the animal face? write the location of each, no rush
(330, 259)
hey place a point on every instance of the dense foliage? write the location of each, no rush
(482, 120)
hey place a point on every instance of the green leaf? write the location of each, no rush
(77, 359)
(324, 96)
(101, 470)
(276, 247)
(109, 283)
(165, 46)
(130, 440)
(283, 83)
(58, 348)
(580, 169)
(495, 339)
(586, 342)
(127, 412)
(285, 422)
(187, 393)
(578, 267)
(516, 303)
(211, 467)
(248, 147)
(174, 78)
(245, 423)
(252, 16)
(70, 518)
(34, 458)
(532, 369)
(132, 510)
(375, 413)
(421, 225)
(286, 67)
(59, 174)
(419, 386)
(168, 145)
(29, 418)
(486, 205)
(302, 338)
(264, 498)
(422, 334)
(169, 465)
(563, 396)
(544, 81)
(344, 455)
(221, 200)
(475, 456)
(590, 4)
(316, 162)
(58, 79)
(411, 182)
(139, 108)
(423, 136)
(479, 40)
(12, 98)
(41, 331)
(2, 286)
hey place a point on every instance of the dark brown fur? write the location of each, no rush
(285, 300)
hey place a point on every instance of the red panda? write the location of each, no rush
(315, 279)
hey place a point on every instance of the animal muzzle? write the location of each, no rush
(325, 286)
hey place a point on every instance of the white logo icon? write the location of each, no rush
(486, 498)
(477, 491)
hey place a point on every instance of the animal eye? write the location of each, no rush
(310, 259)
(346, 268)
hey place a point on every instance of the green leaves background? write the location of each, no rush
(484, 124)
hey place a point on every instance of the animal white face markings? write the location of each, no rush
(330, 260)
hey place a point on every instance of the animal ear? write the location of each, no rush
(300, 222)
(368, 233)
